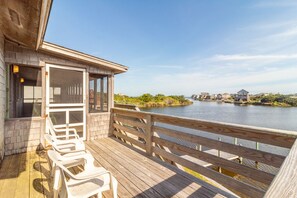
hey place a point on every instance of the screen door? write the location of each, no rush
(66, 98)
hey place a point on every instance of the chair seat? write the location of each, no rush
(89, 187)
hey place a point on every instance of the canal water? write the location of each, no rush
(262, 116)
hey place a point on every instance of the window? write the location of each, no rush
(25, 91)
(98, 93)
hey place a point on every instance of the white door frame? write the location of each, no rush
(67, 108)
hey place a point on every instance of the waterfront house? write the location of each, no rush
(242, 95)
(226, 96)
(195, 96)
(41, 80)
(219, 96)
(204, 96)
(213, 96)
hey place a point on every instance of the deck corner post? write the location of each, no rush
(149, 134)
(111, 127)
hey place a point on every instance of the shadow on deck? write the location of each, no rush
(27, 174)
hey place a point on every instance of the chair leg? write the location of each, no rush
(114, 187)
(56, 181)
(53, 169)
(99, 195)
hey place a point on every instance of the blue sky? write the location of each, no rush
(185, 46)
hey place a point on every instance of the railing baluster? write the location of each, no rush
(149, 134)
(257, 148)
(199, 147)
(219, 155)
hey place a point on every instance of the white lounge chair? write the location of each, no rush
(57, 132)
(68, 153)
(65, 146)
(92, 181)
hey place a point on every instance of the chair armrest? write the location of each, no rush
(63, 130)
(76, 156)
(92, 175)
(71, 151)
(65, 136)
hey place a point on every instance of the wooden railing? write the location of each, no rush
(158, 135)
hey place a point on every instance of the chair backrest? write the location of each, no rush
(55, 157)
(51, 140)
(50, 125)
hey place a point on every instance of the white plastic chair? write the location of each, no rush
(92, 181)
(65, 146)
(56, 132)
(67, 154)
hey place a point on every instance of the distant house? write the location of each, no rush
(242, 95)
(213, 96)
(226, 96)
(194, 96)
(204, 95)
(219, 97)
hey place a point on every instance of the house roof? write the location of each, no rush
(245, 91)
(25, 23)
(80, 56)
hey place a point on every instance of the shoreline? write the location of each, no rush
(162, 106)
(250, 103)
(157, 105)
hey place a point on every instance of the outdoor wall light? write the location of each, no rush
(15, 69)
(22, 80)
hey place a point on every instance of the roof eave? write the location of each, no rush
(43, 21)
(76, 55)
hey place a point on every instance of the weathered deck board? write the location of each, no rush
(165, 189)
(162, 168)
(178, 177)
(27, 174)
(22, 179)
(12, 171)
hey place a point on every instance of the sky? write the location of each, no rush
(185, 47)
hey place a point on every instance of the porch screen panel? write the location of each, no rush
(66, 86)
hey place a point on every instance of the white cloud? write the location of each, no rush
(244, 57)
(277, 3)
(166, 66)
(262, 81)
(286, 33)
(260, 56)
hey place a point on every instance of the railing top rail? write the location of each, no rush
(127, 106)
(270, 131)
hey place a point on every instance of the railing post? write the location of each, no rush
(149, 134)
(236, 143)
(111, 127)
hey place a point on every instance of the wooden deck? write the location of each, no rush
(27, 174)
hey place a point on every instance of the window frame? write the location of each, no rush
(12, 112)
(104, 85)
